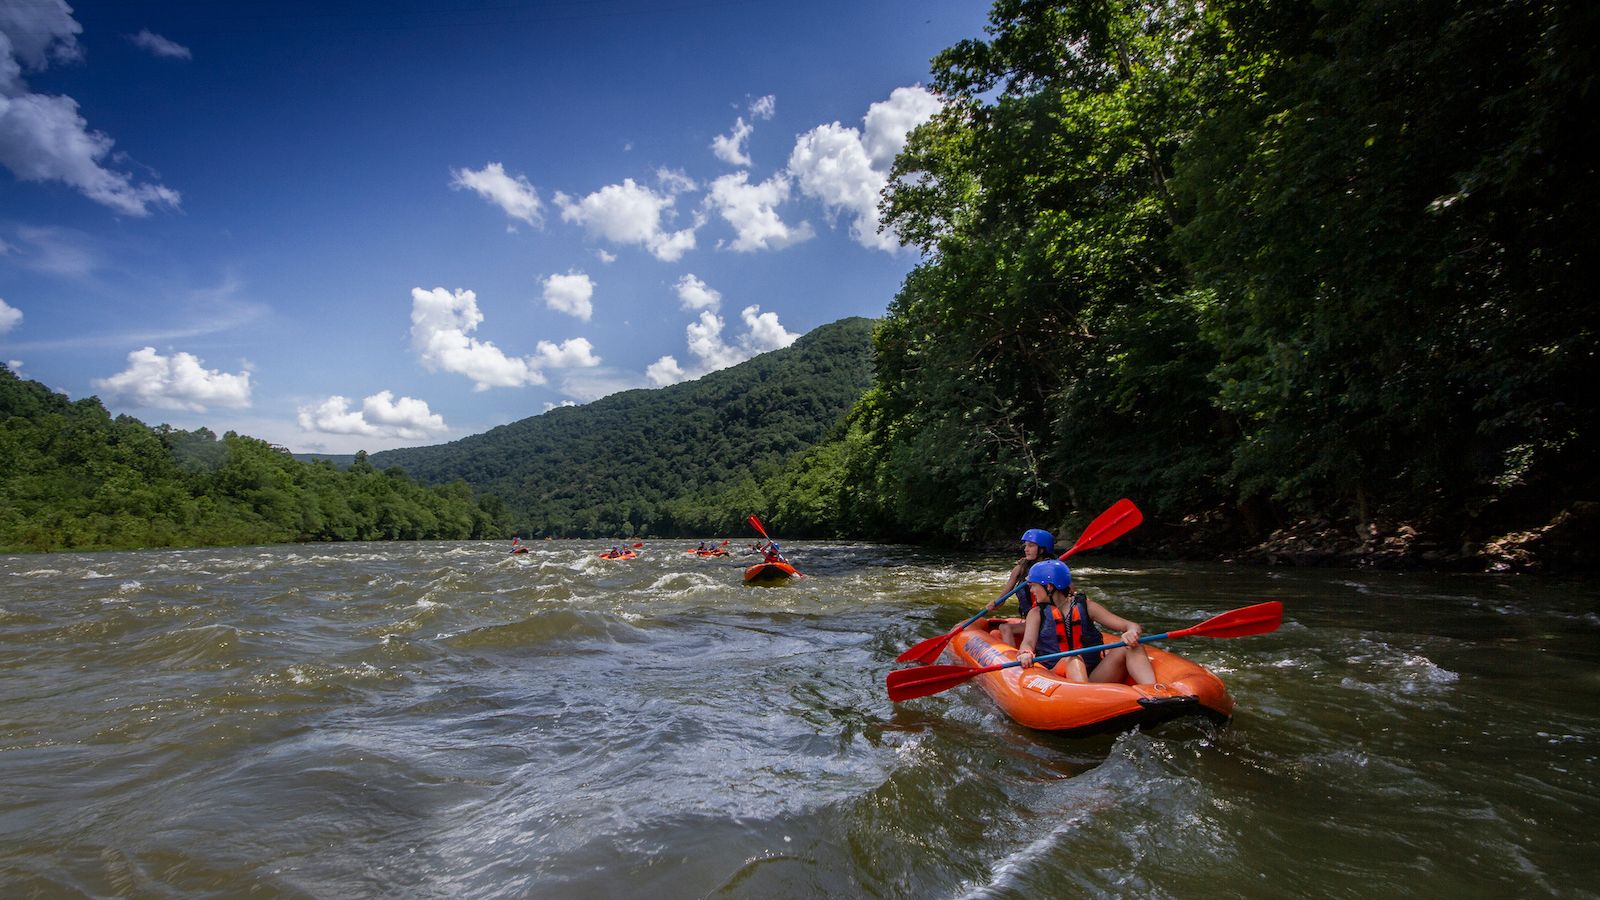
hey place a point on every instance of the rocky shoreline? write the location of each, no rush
(1569, 542)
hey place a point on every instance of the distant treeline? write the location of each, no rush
(72, 477)
(651, 461)
(1247, 262)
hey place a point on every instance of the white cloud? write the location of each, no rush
(180, 381)
(629, 213)
(696, 294)
(675, 181)
(763, 333)
(43, 138)
(589, 385)
(159, 45)
(10, 316)
(847, 170)
(605, 256)
(730, 148)
(665, 371)
(381, 415)
(440, 324)
(550, 406)
(571, 293)
(752, 210)
(890, 121)
(15, 365)
(576, 353)
(516, 196)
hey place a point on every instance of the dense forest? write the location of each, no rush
(1322, 265)
(72, 477)
(644, 461)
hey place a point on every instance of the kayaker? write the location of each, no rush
(1037, 545)
(1061, 620)
(770, 553)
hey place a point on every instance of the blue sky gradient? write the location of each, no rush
(364, 226)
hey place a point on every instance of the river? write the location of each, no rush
(447, 720)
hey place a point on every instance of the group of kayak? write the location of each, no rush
(1053, 669)
(773, 569)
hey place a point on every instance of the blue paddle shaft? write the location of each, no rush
(1049, 657)
(999, 600)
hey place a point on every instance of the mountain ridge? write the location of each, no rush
(616, 465)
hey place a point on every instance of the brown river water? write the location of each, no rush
(446, 720)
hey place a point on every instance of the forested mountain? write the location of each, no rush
(636, 461)
(72, 477)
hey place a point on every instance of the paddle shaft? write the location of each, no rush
(1021, 586)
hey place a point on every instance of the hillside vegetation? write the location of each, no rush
(74, 478)
(680, 459)
(1315, 264)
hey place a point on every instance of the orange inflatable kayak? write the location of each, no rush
(626, 554)
(1039, 698)
(769, 573)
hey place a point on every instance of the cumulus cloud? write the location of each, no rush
(752, 210)
(515, 196)
(730, 148)
(576, 353)
(696, 294)
(42, 137)
(571, 293)
(630, 213)
(665, 371)
(763, 332)
(847, 169)
(380, 415)
(10, 316)
(180, 381)
(441, 324)
(158, 45)
(588, 385)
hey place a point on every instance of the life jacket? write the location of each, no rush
(1054, 633)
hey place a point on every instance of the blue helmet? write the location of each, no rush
(774, 546)
(1042, 538)
(1053, 572)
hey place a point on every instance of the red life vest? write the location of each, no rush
(1082, 634)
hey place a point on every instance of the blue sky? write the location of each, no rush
(356, 226)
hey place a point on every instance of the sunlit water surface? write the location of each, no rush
(447, 720)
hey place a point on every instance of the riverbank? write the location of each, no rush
(1569, 542)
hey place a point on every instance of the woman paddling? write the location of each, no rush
(1037, 545)
(1061, 620)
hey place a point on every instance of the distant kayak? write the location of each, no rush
(1039, 698)
(626, 554)
(708, 552)
(518, 550)
(770, 573)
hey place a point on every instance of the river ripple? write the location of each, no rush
(443, 719)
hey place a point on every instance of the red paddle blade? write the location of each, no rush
(927, 651)
(1115, 522)
(1258, 619)
(906, 684)
(756, 523)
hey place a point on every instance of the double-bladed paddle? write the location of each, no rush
(1115, 522)
(756, 523)
(906, 684)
